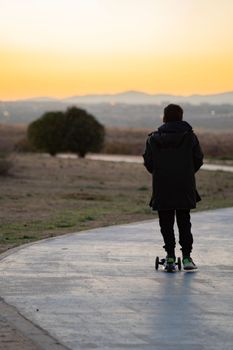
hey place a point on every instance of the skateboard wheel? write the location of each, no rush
(179, 263)
(157, 263)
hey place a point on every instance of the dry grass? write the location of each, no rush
(48, 196)
(7, 139)
(11, 134)
(216, 145)
(5, 166)
(132, 141)
(125, 141)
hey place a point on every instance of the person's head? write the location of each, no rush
(172, 113)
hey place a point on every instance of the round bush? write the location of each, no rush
(83, 132)
(73, 131)
(47, 133)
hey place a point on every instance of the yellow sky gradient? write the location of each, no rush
(62, 48)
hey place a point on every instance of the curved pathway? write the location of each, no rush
(139, 160)
(98, 289)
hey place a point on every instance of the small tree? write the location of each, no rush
(73, 131)
(83, 133)
(47, 133)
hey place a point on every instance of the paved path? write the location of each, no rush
(139, 160)
(99, 289)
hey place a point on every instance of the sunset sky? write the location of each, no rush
(61, 48)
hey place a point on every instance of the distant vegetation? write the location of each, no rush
(72, 131)
(205, 116)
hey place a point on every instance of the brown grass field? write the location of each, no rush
(46, 196)
(216, 145)
(132, 141)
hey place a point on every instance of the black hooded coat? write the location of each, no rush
(173, 155)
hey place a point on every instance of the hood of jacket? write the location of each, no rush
(171, 134)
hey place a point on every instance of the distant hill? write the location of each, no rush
(128, 109)
(136, 97)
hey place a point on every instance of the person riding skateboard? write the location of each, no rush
(173, 155)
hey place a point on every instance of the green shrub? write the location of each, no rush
(73, 131)
(47, 133)
(83, 132)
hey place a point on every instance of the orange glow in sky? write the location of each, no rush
(75, 47)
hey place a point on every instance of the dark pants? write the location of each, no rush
(166, 222)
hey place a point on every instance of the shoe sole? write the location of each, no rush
(190, 268)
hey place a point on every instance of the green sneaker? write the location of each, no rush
(189, 264)
(170, 264)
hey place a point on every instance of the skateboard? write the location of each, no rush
(162, 262)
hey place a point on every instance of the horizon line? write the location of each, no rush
(113, 94)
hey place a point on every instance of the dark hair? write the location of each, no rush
(172, 113)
